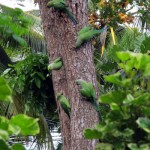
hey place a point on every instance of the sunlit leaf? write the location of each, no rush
(115, 78)
(123, 56)
(4, 134)
(92, 133)
(113, 97)
(133, 146)
(27, 125)
(144, 123)
(5, 91)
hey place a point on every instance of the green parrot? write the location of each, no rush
(87, 36)
(55, 65)
(84, 29)
(87, 91)
(64, 102)
(62, 6)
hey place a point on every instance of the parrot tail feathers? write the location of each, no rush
(70, 16)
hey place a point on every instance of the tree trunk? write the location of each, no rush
(60, 34)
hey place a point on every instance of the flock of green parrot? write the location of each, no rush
(86, 90)
(86, 33)
(83, 36)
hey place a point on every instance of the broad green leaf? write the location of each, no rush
(4, 128)
(14, 129)
(4, 146)
(5, 91)
(109, 128)
(18, 147)
(129, 99)
(146, 111)
(115, 78)
(133, 146)
(92, 134)
(114, 106)
(141, 100)
(130, 64)
(119, 146)
(104, 146)
(123, 56)
(127, 132)
(4, 134)
(115, 115)
(144, 123)
(147, 70)
(126, 83)
(27, 125)
(114, 51)
(4, 123)
(145, 146)
(145, 60)
(113, 97)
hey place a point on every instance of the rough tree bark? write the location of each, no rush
(60, 34)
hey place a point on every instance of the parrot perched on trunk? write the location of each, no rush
(87, 35)
(62, 6)
(85, 29)
(64, 102)
(87, 91)
(55, 65)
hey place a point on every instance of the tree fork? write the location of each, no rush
(60, 34)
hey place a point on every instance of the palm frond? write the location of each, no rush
(37, 42)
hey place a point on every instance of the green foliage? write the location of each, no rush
(18, 147)
(13, 25)
(5, 91)
(30, 79)
(127, 124)
(19, 124)
(27, 125)
(127, 40)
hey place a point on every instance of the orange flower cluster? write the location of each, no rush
(125, 18)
